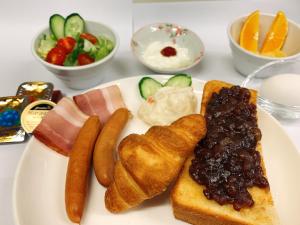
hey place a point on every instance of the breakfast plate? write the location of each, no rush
(39, 185)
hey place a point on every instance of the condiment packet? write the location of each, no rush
(11, 108)
(34, 113)
(36, 90)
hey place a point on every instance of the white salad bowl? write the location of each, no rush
(245, 61)
(171, 33)
(81, 77)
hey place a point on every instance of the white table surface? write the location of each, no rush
(20, 20)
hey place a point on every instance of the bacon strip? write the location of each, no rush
(60, 126)
(102, 102)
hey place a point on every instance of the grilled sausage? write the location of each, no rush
(78, 172)
(104, 153)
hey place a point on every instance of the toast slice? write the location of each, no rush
(190, 205)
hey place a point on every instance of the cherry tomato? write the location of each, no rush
(89, 37)
(57, 56)
(84, 59)
(67, 43)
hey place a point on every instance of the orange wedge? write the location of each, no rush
(249, 33)
(276, 35)
(276, 54)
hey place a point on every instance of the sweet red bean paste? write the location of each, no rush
(226, 161)
(168, 51)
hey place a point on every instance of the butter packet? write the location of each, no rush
(34, 113)
(36, 90)
(11, 108)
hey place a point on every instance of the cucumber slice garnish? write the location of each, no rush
(56, 24)
(148, 87)
(179, 80)
(74, 25)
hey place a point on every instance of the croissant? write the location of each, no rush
(149, 163)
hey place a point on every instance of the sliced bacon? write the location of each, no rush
(102, 102)
(60, 126)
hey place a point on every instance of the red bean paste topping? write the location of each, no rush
(226, 161)
(168, 51)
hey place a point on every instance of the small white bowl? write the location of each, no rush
(81, 77)
(167, 32)
(246, 62)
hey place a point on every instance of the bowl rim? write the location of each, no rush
(169, 70)
(253, 54)
(295, 108)
(75, 68)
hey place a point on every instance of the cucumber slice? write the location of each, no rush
(179, 80)
(74, 25)
(148, 87)
(56, 24)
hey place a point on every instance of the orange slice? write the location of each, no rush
(249, 33)
(276, 35)
(276, 54)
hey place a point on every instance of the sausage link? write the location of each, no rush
(104, 152)
(78, 172)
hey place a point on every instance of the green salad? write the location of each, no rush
(68, 43)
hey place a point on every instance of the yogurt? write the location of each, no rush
(153, 56)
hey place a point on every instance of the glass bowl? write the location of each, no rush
(257, 78)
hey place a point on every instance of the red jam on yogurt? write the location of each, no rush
(168, 51)
(166, 55)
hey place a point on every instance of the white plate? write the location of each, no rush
(38, 194)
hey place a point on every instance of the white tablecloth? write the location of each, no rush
(21, 20)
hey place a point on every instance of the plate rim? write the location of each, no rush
(115, 82)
